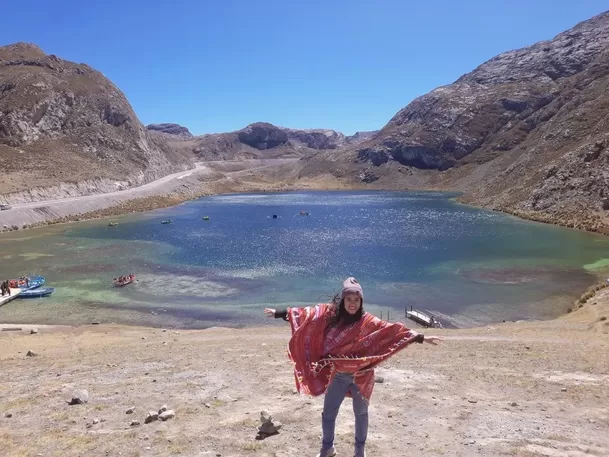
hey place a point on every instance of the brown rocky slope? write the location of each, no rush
(62, 122)
(526, 132)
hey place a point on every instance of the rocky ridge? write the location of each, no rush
(263, 140)
(526, 132)
(62, 122)
(173, 130)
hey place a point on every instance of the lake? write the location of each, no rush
(466, 265)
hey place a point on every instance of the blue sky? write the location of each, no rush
(216, 66)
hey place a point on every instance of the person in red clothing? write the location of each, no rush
(334, 348)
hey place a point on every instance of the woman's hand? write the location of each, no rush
(270, 312)
(432, 340)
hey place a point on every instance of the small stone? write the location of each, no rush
(89, 425)
(207, 405)
(471, 400)
(133, 423)
(8, 415)
(379, 380)
(162, 409)
(164, 330)
(527, 347)
(513, 404)
(152, 416)
(147, 448)
(33, 331)
(79, 397)
(154, 380)
(265, 417)
(95, 421)
(31, 354)
(270, 428)
(167, 415)
(564, 389)
(147, 373)
(143, 337)
(130, 410)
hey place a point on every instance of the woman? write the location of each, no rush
(335, 348)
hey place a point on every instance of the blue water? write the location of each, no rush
(406, 248)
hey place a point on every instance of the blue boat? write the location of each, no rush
(34, 293)
(33, 282)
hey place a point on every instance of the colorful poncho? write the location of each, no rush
(356, 350)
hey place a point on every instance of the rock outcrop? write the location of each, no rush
(62, 122)
(262, 136)
(173, 130)
(359, 137)
(497, 107)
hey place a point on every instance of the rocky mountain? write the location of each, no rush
(173, 130)
(264, 140)
(359, 137)
(62, 122)
(525, 132)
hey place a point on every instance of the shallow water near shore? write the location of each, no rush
(467, 266)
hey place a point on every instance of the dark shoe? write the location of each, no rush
(327, 452)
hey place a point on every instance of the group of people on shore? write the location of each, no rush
(5, 288)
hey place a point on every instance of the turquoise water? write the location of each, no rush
(417, 249)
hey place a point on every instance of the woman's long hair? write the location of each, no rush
(341, 316)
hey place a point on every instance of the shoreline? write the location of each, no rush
(591, 294)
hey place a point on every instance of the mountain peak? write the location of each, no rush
(21, 50)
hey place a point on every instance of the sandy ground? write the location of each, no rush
(518, 389)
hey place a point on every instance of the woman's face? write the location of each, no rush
(352, 303)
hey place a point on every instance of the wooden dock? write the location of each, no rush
(6, 298)
(422, 318)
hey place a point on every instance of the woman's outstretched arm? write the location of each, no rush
(277, 313)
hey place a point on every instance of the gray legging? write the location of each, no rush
(341, 384)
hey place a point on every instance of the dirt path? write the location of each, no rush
(133, 192)
(191, 182)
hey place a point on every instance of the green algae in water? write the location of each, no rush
(598, 265)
